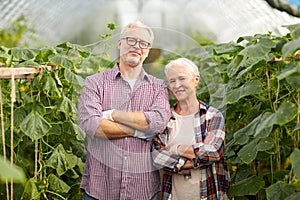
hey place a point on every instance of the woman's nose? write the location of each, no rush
(177, 84)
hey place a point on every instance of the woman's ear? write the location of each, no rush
(119, 44)
(197, 78)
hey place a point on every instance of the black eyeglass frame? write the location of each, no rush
(137, 41)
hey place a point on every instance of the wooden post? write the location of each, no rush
(12, 74)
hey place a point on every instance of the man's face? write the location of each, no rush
(133, 46)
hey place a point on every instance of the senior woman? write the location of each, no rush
(190, 149)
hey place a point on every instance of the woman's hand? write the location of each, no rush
(186, 151)
(188, 165)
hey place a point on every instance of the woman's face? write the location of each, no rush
(182, 83)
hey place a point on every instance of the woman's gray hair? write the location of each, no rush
(137, 24)
(192, 67)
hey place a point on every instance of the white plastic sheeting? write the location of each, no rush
(56, 21)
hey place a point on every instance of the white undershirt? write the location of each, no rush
(183, 133)
(131, 82)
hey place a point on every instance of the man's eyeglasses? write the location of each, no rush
(132, 42)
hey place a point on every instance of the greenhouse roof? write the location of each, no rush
(80, 21)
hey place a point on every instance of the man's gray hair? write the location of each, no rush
(138, 24)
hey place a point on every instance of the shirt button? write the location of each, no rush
(125, 158)
(125, 138)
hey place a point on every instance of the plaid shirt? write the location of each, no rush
(120, 169)
(209, 128)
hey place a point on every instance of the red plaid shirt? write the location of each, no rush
(214, 181)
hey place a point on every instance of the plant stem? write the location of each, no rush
(55, 194)
(277, 150)
(268, 82)
(297, 140)
(3, 138)
(13, 100)
(272, 169)
(36, 150)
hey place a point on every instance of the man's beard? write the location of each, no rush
(132, 61)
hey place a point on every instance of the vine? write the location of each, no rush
(253, 81)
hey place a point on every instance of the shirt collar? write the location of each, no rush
(143, 75)
(202, 106)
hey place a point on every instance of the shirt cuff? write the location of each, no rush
(180, 163)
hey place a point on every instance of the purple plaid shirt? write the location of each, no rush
(209, 128)
(121, 168)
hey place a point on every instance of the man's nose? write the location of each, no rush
(137, 45)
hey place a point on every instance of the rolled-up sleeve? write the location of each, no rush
(163, 158)
(90, 107)
(159, 113)
(213, 146)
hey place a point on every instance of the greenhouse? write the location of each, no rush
(248, 57)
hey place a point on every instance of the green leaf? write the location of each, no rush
(67, 106)
(248, 186)
(291, 47)
(295, 161)
(294, 29)
(67, 46)
(249, 152)
(297, 127)
(8, 172)
(285, 113)
(30, 191)
(73, 78)
(259, 64)
(227, 48)
(57, 185)
(49, 84)
(265, 144)
(83, 51)
(27, 63)
(35, 126)
(72, 174)
(23, 53)
(294, 196)
(249, 88)
(289, 70)
(61, 60)
(293, 80)
(75, 129)
(242, 135)
(44, 53)
(291, 73)
(61, 160)
(19, 115)
(111, 26)
(251, 57)
(279, 191)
